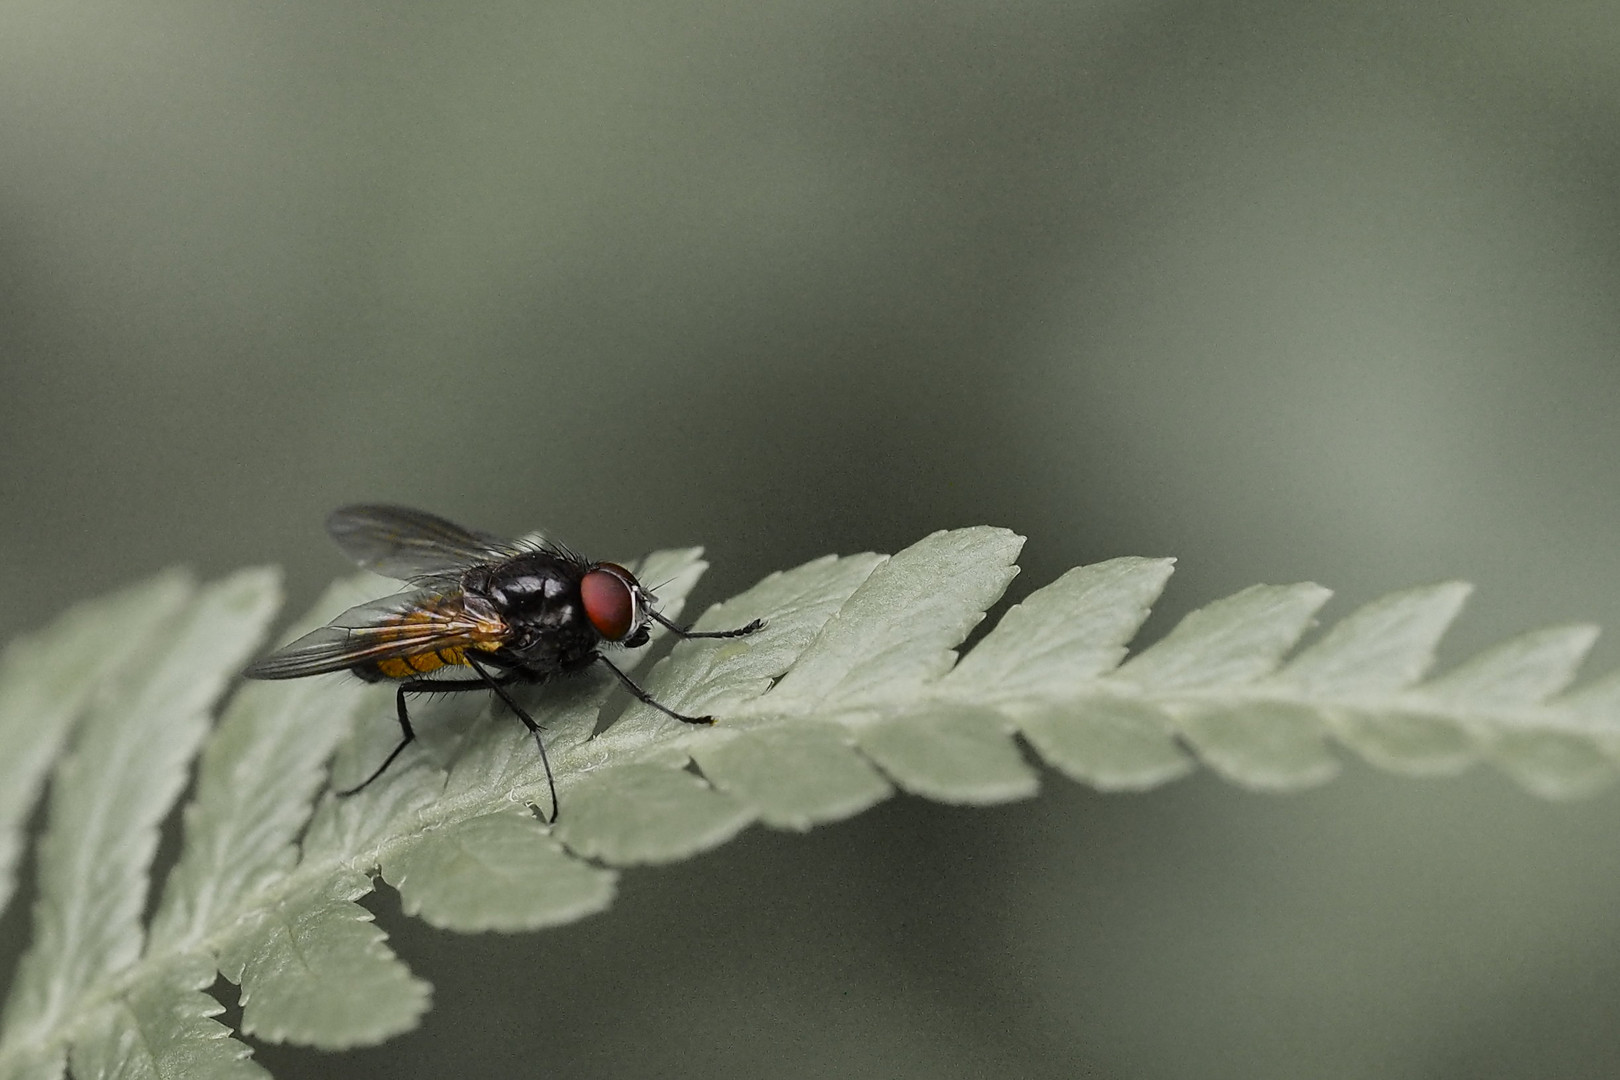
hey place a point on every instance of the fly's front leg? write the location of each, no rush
(647, 699)
(687, 632)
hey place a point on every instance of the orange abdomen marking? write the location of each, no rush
(406, 667)
(480, 634)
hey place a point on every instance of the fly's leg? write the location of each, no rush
(414, 686)
(688, 632)
(647, 699)
(498, 685)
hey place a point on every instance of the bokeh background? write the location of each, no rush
(1290, 291)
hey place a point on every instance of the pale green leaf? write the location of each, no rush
(1385, 646)
(1404, 740)
(34, 1063)
(793, 776)
(47, 678)
(953, 754)
(164, 1028)
(354, 830)
(1594, 708)
(496, 872)
(497, 753)
(1112, 743)
(707, 676)
(1075, 628)
(1230, 642)
(1269, 745)
(646, 814)
(1525, 671)
(899, 629)
(111, 791)
(1554, 764)
(257, 780)
(314, 969)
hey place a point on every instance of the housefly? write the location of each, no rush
(510, 611)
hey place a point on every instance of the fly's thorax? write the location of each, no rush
(538, 589)
(536, 597)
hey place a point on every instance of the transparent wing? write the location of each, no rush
(405, 624)
(398, 542)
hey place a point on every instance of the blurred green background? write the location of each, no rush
(1285, 291)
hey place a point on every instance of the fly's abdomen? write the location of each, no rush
(430, 639)
(408, 667)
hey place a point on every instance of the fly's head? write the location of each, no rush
(616, 604)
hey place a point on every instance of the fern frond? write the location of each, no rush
(852, 690)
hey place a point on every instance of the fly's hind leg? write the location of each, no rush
(498, 684)
(407, 734)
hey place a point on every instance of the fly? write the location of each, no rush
(511, 611)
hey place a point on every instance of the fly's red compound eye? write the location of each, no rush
(609, 595)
